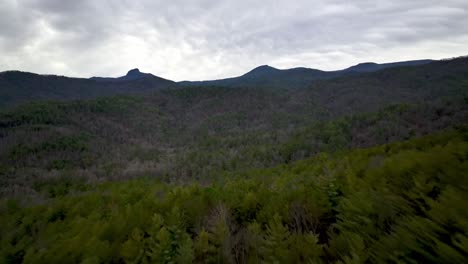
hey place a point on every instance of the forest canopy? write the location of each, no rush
(399, 202)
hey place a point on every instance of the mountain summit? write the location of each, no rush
(133, 74)
(260, 70)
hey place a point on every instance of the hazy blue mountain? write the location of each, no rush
(267, 76)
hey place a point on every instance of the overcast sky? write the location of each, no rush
(208, 39)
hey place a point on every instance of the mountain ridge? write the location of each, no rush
(372, 66)
(18, 86)
(376, 160)
(298, 77)
(133, 74)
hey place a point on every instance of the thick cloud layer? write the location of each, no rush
(207, 39)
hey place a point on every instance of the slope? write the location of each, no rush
(18, 87)
(401, 202)
(267, 76)
(192, 133)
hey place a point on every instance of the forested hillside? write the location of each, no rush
(402, 202)
(365, 168)
(267, 76)
(19, 87)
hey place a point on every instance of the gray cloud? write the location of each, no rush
(212, 39)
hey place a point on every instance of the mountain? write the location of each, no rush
(267, 76)
(132, 75)
(371, 66)
(175, 130)
(364, 168)
(17, 87)
(262, 70)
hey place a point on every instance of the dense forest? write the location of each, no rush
(359, 168)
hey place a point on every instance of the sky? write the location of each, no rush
(211, 39)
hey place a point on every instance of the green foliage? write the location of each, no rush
(402, 202)
(245, 175)
(34, 113)
(119, 104)
(276, 243)
(51, 152)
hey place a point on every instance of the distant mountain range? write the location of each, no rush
(371, 66)
(17, 87)
(363, 165)
(267, 76)
(132, 75)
